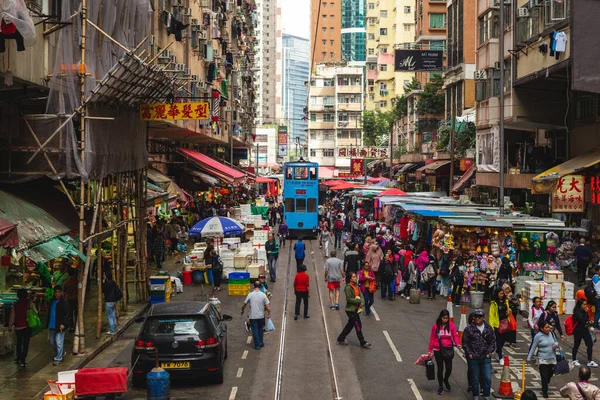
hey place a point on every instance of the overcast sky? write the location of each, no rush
(296, 17)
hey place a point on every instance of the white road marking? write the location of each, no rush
(239, 373)
(461, 354)
(393, 347)
(249, 340)
(414, 388)
(375, 314)
(245, 354)
(233, 393)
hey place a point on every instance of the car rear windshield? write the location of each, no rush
(173, 326)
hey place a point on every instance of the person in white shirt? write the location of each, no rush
(258, 304)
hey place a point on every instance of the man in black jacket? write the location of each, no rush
(351, 261)
(57, 324)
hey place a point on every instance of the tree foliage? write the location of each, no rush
(375, 127)
(432, 97)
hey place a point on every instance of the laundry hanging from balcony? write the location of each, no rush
(16, 24)
(174, 26)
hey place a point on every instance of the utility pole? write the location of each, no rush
(452, 134)
(391, 153)
(501, 127)
(231, 100)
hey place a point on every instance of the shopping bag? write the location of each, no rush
(401, 286)
(33, 319)
(430, 371)
(423, 358)
(270, 325)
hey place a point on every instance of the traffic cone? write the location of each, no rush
(505, 390)
(462, 325)
(449, 308)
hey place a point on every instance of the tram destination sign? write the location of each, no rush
(418, 60)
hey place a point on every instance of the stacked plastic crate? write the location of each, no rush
(160, 289)
(238, 283)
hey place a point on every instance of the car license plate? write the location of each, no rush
(175, 365)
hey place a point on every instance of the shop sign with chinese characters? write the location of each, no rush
(364, 152)
(175, 111)
(356, 166)
(569, 196)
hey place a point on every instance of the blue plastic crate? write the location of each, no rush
(157, 299)
(239, 275)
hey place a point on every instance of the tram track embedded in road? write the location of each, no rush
(282, 341)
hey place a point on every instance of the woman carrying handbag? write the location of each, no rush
(546, 344)
(501, 320)
(442, 340)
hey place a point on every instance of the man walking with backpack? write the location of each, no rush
(338, 226)
(300, 253)
(583, 255)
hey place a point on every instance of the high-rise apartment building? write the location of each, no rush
(268, 12)
(295, 71)
(335, 106)
(430, 29)
(458, 77)
(388, 22)
(354, 32)
(325, 30)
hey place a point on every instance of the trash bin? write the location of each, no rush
(476, 299)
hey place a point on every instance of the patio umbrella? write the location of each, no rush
(216, 226)
(393, 192)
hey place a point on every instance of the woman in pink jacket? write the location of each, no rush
(374, 257)
(421, 262)
(443, 332)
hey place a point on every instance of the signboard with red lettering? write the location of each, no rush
(569, 196)
(356, 166)
(364, 152)
(175, 111)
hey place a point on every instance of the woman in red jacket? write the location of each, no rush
(301, 288)
(443, 333)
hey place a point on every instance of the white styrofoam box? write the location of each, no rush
(246, 208)
(261, 236)
(570, 305)
(246, 245)
(554, 276)
(568, 290)
(228, 264)
(226, 253)
(255, 270)
(233, 243)
(247, 219)
(198, 253)
(67, 376)
(240, 261)
(227, 270)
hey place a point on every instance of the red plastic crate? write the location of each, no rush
(95, 381)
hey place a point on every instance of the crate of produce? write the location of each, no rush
(239, 276)
(238, 290)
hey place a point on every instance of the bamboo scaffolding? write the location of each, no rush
(79, 340)
(99, 272)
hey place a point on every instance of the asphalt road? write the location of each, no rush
(298, 362)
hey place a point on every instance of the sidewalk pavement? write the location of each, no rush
(32, 382)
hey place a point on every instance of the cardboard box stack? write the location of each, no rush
(554, 288)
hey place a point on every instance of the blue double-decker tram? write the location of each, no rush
(301, 197)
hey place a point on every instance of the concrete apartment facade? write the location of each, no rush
(335, 105)
(325, 35)
(389, 22)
